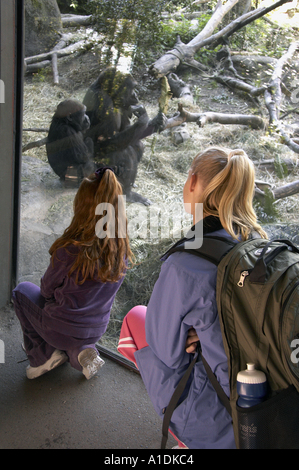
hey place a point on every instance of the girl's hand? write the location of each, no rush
(191, 342)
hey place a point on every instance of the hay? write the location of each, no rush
(161, 173)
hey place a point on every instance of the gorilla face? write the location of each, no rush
(67, 145)
(79, 120)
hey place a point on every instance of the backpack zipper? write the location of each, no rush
(243, 276)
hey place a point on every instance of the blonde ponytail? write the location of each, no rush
(227, 177)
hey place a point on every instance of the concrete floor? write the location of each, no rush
(63, 410)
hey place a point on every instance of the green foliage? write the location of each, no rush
(281, 168)
(263, 37)
(184, 28)
(146, 14)
(74, 6)
(267, 212)
(132, 22)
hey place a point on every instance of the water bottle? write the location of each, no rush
(251, 387)
(252, 390)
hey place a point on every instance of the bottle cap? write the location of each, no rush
(251, 375)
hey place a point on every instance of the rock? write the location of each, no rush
(180, 135)
(42, 26)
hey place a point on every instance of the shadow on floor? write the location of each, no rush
(63, 410)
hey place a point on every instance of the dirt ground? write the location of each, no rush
(46, 203)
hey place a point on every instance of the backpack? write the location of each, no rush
(257, 293)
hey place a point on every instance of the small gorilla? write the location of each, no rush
(66, 144)
(111, 101)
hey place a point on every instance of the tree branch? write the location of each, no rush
(184, 52)
(172, 59)
(256, 122)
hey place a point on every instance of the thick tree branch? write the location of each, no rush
(172, 59)
(40, 61)
(273, 97)
(255, 122)
(35, 144)
(76, 20)
(184, 52)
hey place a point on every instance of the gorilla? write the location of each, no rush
(111, 101)
(67, 145)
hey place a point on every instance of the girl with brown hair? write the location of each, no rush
(64, 318)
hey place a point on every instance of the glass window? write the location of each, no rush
(68, 49)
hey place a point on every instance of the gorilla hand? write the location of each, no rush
(159, 122)
(138, 110)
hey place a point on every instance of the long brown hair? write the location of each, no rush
(98, 258)
(228, 182)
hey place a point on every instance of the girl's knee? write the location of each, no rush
(136, 313)
(30, 291)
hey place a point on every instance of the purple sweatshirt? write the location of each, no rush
(82, 311)
(184, 297)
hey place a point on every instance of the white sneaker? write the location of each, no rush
(57, 358)
(90, 361)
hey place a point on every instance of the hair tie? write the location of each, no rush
(100, 172)
(232, 153)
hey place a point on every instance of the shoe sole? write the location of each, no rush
(90, 361)
(32, 373)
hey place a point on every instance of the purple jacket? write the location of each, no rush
(82, 311)
(184, 297)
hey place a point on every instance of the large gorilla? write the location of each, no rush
(111, 101)
(66, 144)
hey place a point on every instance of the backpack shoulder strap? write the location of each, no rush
(181, 387)
(212, 249)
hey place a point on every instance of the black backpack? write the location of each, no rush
(257, 294)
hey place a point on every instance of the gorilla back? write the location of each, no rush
(66, 144)
(111, 101)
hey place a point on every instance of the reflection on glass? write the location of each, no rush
(160, 134)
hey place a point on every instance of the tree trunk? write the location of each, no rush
(273, 96)
(255, 122)
(69, 20)
(172, 59)
(35, 63)
(273, 91)
(240, 85)
(270, 165)
(60, 53)
(179, 88)
(287, 190)
(185, 52)
(35, 144)
(278, 193)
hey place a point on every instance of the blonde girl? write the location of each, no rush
(64, 318)
(182, 310)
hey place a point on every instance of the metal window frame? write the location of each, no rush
(12, 42)
(11, 117)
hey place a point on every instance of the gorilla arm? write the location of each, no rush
(129, 136)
